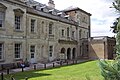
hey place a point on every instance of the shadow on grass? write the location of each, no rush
(28, 74)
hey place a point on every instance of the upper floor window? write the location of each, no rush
(73, 34)
(18, 18)
(2, 19)
(63, 32)
(2, 14)
(68, 32)
(17, 49)
(50, 28)
(32, 25)
(87, 34)
(84, 19)
(17, 22)
(80, 34)
(1, 51)
(42, 27)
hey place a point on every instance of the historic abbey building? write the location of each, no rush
(37, 32)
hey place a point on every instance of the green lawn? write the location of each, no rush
(72, 72)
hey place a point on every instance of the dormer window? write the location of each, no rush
(59, 14)
(34, 7)
(42, 8)
(50, 12)
(67, 16)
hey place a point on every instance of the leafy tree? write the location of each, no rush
(114, 27)
(111, 70)
(116, 5)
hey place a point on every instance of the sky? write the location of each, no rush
(102, 15)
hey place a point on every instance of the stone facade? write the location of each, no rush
(101, 47)
(38, 33)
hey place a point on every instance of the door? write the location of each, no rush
(32, 54)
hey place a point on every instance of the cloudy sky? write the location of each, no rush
(102, 16)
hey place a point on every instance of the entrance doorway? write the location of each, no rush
(68, 53)
(73, 53)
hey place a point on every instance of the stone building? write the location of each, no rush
(36, 32)
(102, 47)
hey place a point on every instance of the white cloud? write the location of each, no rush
(102, 15)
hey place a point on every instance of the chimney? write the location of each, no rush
(51, 4)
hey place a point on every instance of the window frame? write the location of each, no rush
(51, 51)
(2, 51)
(18, 13)
(80, 33)
(68, 32)
(73, 34)
(63, 32)
(32, 25)
(2, 19)
(18, 20)
(17, 50)
(50, 28)
(32, 51)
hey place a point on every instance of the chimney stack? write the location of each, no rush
(51, 4)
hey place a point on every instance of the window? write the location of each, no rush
(17, 50)
(73, 34)
(80, 34)
(17, 22)
(63, 33)
(42, 27)
(32, 25)
(87, 34)
(18, 18)
(2, 19)
(1, 50)
(67, 32)
(50, 28)
(32, 51)
(50, 51)
(84, 19)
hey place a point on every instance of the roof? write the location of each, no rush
(76, 9)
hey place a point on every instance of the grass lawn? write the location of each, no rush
(72, 72)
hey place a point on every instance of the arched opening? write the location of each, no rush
(62, 53)
(68, 53)
(63, 50)
(73, 53)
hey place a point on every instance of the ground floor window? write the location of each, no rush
(50, 51)
(1, 50)
(17, 50)
(32, 51)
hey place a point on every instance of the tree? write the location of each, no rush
(116, 5)
(114, 27)
(111, 70)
